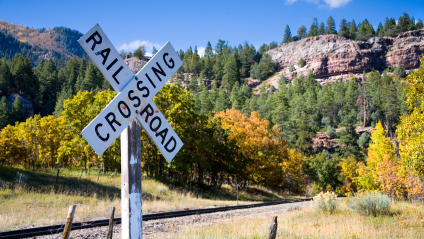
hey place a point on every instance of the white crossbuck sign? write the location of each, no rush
(135, 94)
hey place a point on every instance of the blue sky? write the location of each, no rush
(129, 23)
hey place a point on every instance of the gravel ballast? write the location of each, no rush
(164, 228)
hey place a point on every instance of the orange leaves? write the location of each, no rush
(271, 159)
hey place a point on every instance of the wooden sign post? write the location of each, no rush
(132, 106)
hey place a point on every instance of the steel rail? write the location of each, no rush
(54, 229)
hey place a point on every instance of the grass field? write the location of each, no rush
(406, 220)
(38, 201)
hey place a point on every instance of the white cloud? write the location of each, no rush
(132, 46)
(329, 3)
(336, 3)
(201, 51)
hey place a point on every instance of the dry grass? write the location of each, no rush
(405, 221)
(39, 202)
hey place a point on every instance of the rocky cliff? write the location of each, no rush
(330, 55)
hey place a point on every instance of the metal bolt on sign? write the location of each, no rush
(132, 106)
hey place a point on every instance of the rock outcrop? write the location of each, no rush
(332, 55)
(26, 104)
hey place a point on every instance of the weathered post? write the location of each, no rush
(20, 179)
(68, 224)
(110, 231)
(57, 176)
(273, 228)
(131, 182)
(132, 105)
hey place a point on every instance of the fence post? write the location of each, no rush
(20, 179)
(273, 228)
(110, 231)
(57, 176)
(68, 224)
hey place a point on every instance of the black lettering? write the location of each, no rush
(125, 108)
(170, 60)
(95, 42)
(156, 71)
(116, 73)
(148, 113)
(111, 64)
(112, 121)
(162, 134)
(151, 123)
(151, 82)
(143, 88)
(98, 134)
(134, 98)
(107, 51)
(169, 141)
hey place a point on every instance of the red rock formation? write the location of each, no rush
(331, 55)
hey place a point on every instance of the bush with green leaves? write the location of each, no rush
(325, 202)
(331, 132)
(327, 121)
(291, 68)
(301, 62)
(399, 71)
(370, 203)
(363, 140)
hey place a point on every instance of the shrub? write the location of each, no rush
(399, 71)
(291, 69)
(363, 140)
(301, 62)
(370, 203)
(327, 121)
(325, 202)
(331, 132)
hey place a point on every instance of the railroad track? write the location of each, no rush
(54, 229)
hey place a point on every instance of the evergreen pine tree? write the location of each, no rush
(188, 55)
(4, 113)
(65, 94)
(419, 24)
(344, 29)
(331, 26)
(5, 77)
(16, 114)
(380, 32)
(301, 32)
(287, 35)
(353, 30)
(140, 52)
(195, 66)
(321, 29)
(222, 102)
(205, 103)
(193, 85)
(208, 50)
(25, 81)
(231, 74)
(313, 30)
(154, 50)
(399, 71)
(213, 95)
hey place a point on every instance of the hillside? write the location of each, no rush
(59, 42)
(331, 56)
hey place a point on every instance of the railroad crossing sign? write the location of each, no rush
(135, 94)
(132, 103)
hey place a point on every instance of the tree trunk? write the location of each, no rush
(200, 178)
